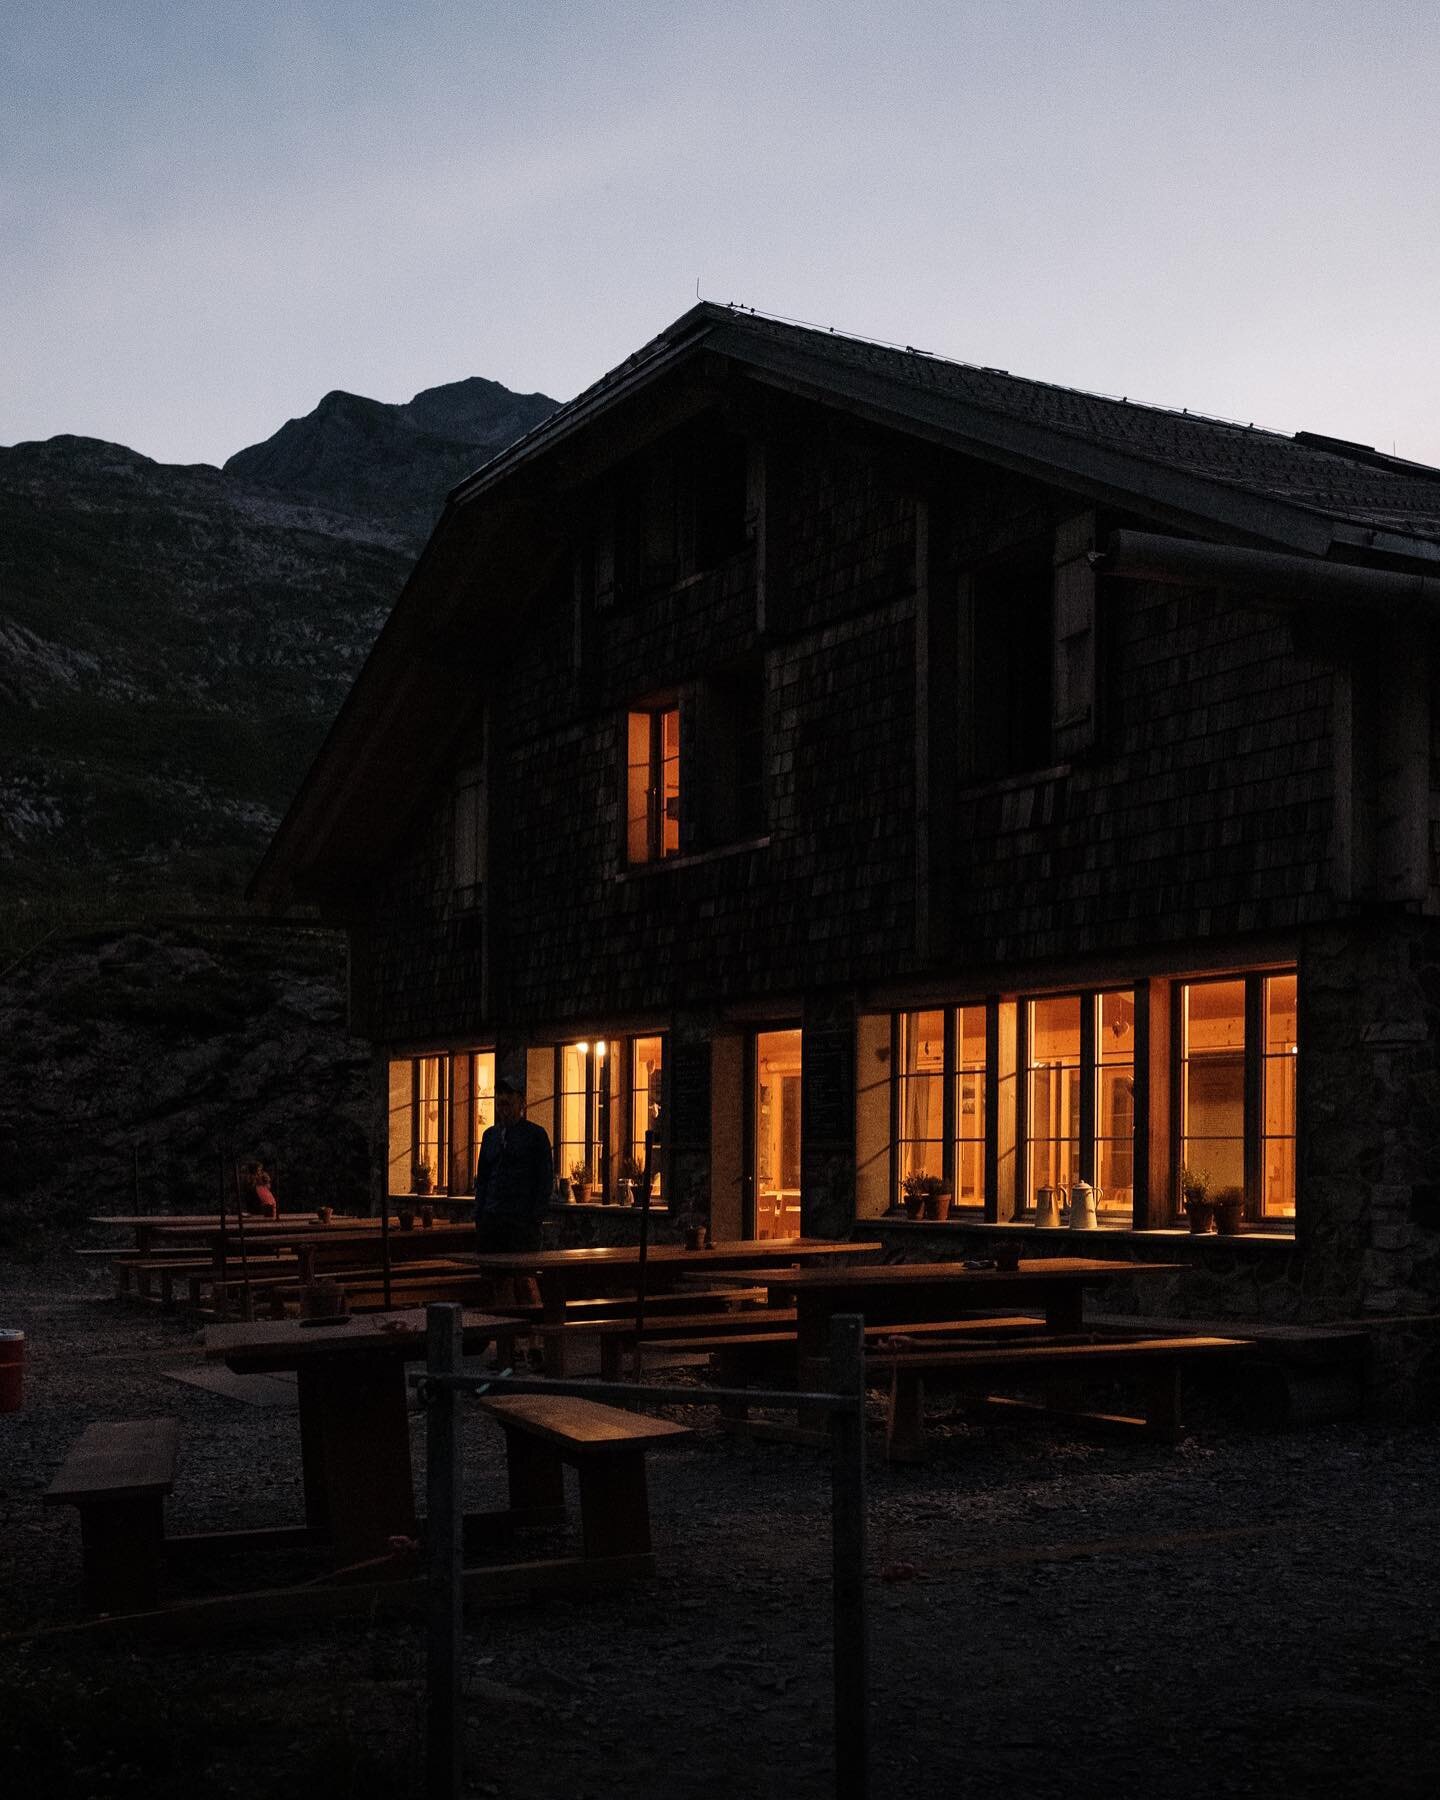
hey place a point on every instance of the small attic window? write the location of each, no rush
(468, 835)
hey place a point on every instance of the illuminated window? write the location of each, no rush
(647, 1134)
(482, 1095)
(418, 1134)
(1114, 1079)
(1212, 1081)
(1277, 1190)
(1052, 1093)
(921, 1144)
(970, 1078)
(608, 1095)
(1239, 1051)
(652, 784)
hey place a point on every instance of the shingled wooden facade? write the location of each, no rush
(846, 764)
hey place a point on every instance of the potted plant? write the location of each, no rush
(628, 1181)
(1229, 1205)
(916, 1189)
(577, 1182)
(420, 1178)
(938, 1196)
(1195, 1192)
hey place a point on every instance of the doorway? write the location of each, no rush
(775, 1134)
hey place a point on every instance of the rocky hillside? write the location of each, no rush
(174, 642)
(134, 1060)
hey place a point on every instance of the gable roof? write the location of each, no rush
(1310, 491)
(1208, 477)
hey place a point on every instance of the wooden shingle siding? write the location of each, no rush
(1204, 809)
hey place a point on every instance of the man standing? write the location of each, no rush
(514, 1176)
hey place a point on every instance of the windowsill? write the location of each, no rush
(598, 1206)
(691, 860)
(1063, 1233)
(1006, 784)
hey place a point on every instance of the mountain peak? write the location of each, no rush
(389, 461)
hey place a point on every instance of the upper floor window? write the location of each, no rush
(681, 508)
(468, 817)
(1031, 699)
(652, 784)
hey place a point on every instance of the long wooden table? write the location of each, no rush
(901, 1293)
(565, 1275)
(354, 1423)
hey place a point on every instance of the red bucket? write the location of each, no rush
(12, 1369)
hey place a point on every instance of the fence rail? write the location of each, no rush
(445, 1382)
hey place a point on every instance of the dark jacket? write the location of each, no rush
(515, 1172)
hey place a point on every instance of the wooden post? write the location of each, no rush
(646, 1178)
(444, 1483)
(385, 1246)
(247, 1299)
(224, 1229)
(847, 1445)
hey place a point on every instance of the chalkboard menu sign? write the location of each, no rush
(829, 1076)
(689, 1121)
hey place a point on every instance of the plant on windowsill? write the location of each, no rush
(1229, 1205)
(420, 1178)
(916, 1189)
(939, 1194)
(1195, 1193)
(578, 1179)
(627, 1183)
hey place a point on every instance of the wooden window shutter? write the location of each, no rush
(1074, 720)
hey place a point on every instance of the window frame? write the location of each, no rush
(1255, 1058)
(657, 817)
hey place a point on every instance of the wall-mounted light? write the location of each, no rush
(584, 1049)
(600, 1048)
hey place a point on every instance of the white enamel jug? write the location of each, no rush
(1082, 1207)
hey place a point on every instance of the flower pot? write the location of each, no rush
(1201, 1214)
(1230, 1217)
(915, 1206)
(406, 1218)
(937, 1206)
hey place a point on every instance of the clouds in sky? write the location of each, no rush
(212, 214)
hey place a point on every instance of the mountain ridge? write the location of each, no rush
(175, 638)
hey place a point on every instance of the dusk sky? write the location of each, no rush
(213, 213)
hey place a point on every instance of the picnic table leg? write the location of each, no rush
(121, 1544)
(552, 1301)
(535, 1474)
(365, 1450)
(615, 1505)
(1064, 1311)
(312, 1447)
(1160, 1386)
(905, 1425)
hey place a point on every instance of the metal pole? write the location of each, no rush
(645, 1180)
(847, 1444)
(444, 1528)
(385, 1246)
(247, 1300)
(224, 1222)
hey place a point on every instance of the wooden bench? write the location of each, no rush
(604, 1443)
(117, 1475)
(742, 1356)
(1157, 1361)
(617, 1335)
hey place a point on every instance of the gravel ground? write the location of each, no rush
(1050, 1615)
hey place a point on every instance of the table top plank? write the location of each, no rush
(730, 1253)
(578, 1424)
(281, 1343)
(1052, 1271)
